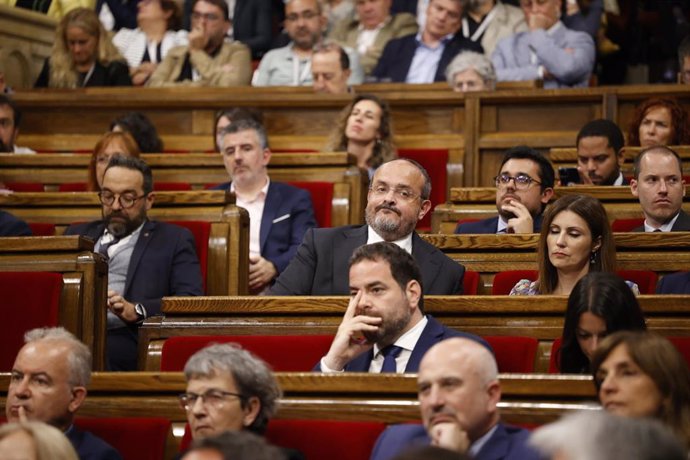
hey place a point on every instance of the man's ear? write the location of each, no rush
(150, 198)
(413, 291)
(426, 206)
(78, 396)
(633, 188)
(546, 195)
(251, 411)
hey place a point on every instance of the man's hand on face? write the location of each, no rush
(261, 272)
(450, 436)
(522, 222)
(121, 307)
(349, 341)
(21, 412)
(584, 177)
(197, 39)
(539, 21)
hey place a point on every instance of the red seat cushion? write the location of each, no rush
(514, 354)
(143, 438)
(626, 225)
(645, 279)
(470, 283)
(172, 186)
(435, 162)
(321, 199)
(72, 187)
(29, 300)
(553, 363)
(25, 186)
(505, 281)
(201, 232)
(284, 353)
(683, 346)
(42, 229)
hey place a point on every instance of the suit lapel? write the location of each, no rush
(342, 249)
(271, 205)
(427, 266)
(138, 252)
(429, 337)
(361, 363)
(496, 447)
(682, 223)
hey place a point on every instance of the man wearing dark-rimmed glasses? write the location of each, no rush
(146, 260)
(524, 186)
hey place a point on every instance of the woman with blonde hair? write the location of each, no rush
(111, 144)
(83, 55)
(34, 441)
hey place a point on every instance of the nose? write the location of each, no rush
(198, 407)
(608, 385)
(436, 397)
(591, 165)
(663, 188)
(21, 388)
(590, 346)
(560, 241)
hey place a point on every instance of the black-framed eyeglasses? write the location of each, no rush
(213, 398)
(522, 181)
(402, 193)
(126, 200)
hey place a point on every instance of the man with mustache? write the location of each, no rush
(600, 153)
(524, 185)
(459, 392)
(147, 260)
(398, 198)
(384, 328)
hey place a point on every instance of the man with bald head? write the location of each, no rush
(459, 394)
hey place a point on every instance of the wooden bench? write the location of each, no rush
(566, 157)
(540, 317)
(85, 282)
(228, 243)
(350, 184)
(480, 203)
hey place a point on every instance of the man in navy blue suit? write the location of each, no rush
(459, 394)
(423, 58)
(48, 384)
(279, 214)
(147, 260)
(384, 328)
(524, 185)
(600, 153)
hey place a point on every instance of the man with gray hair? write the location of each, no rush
(470, 71)
(48, 384)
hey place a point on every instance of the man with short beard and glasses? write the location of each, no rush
(398, 198)
(384, 328)
(146, 260)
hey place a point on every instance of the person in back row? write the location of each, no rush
(600, 154)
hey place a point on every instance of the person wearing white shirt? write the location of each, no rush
(10, 116)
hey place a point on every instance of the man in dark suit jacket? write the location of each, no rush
(13, 226)
(524, 185)
(385, 316)
(459, 394)
(279, 214)
(600, 154)
(676, 283)
(61, 365)
(146, 260)
(658, 184)
(423, 58)
(397, 200)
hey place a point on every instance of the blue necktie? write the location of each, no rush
(103, 249)
(389, 354)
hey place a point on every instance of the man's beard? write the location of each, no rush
(387, 228)
(122, 228)
(6, 148)
(388, 331)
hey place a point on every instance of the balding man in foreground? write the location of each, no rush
(459, 394)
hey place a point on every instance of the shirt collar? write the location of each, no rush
(409, 339)
(664, 228)
(360, 27)
(405, 242)
(479, 443)
(442, 42)
(262, 193)
(554, 28)
(502, 225)
(619, 179)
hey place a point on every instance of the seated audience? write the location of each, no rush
(48, 384)
(600, 153)
(684, 60)
(157, 33)
(55, 9)
(337, 10)
(470, 71)
(116, 15)
(384, 328)
(575, 239)
(10, 117)
(364, 130)
(111, 144)
(233, 445)
(291, 64)
(600, 304)
(459, 393)
(488, 21)
(141, 129)
(596, 435)
(34, 441)
(675, 283)
(83, 55)
(330, 69)
(641, 374)
(279, 214)
(398, 198)
(423, 58)
(658, 184)
(208, 60)
(659, 121)
(13, 226)
(371, 28)
(225, 117)
(548, 51)
(524, 186)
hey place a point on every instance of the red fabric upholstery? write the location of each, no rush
(434, 161)
(143, 438)
(42, 229)
(172, 186)
(72, 187)
(514, 354)
(25, 186)
(553, 367)
(321, 198)
(284, 353)
(504, 281)
(626, 225)
(470, 283)
(645, 279)
(683, 346)
(202, 233)
(29, 300)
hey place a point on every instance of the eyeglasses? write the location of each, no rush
(404, 194)
(210, 17)
(522, 181)
(126, 201)
(213, 398)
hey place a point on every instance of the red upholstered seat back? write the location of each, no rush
(27, 300)
(504, 281)
(435, 162)
(470, 282)
(72, 187)
(25, 186)
(201, 232)
(141, 438)
(172, 186)
(284, 353)
(683, 346)
(514, 354)
(626, 225)
(553, 363)
(321, 198)
(645, 279)
(42, 229)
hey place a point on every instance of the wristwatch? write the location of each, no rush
(140, 311)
